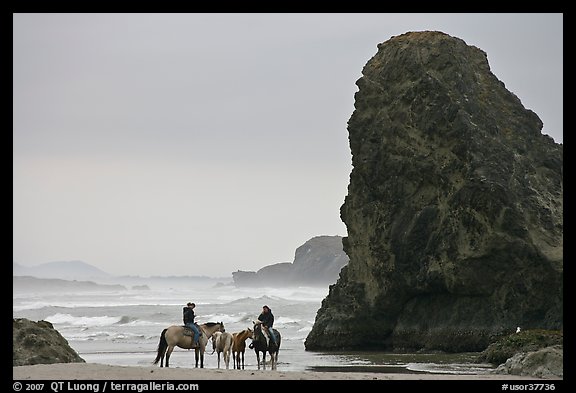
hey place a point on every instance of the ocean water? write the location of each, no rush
(123, 327)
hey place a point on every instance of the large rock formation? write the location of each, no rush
(39, 343)
(454, 208)
(316, 262)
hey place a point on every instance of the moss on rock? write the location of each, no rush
(524, 341)
(39, 343)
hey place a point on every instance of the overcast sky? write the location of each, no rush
(200, 144)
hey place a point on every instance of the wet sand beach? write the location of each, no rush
(93, 371)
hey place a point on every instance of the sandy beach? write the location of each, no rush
(94, 371)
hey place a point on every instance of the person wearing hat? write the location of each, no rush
(267, 319)
(189, 316)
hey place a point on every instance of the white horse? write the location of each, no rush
(222, 343)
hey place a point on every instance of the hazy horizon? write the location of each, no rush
(200, 144)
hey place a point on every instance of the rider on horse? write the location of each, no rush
(188, 314)
(267, 319)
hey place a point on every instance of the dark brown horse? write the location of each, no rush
(260, 345)
(174, 336)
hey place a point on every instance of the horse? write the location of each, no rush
(239, 346)
(222, 342)
(174, 336)
(259, 345)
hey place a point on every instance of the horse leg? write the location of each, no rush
(242, 360)
(196, 355)
(218, 359)
(201, 358)
(227, 359)
(258, 359)
(264, 360)
(168, 353)
(274, 359)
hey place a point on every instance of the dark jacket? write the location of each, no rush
(188, 315)
(267, 319)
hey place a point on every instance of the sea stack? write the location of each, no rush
(454, 208)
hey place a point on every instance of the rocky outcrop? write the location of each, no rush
(316, 262)
(39, 343)
(243, 278)
(454, 208)
(525, 341)
(543, 363)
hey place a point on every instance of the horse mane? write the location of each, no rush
(258, 328)
(243, 333)
(210, 324)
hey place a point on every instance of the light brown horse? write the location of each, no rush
(239, 346)
(174, 336)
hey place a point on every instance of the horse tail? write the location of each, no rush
(278, 338)
(162, 346)
(230, 343)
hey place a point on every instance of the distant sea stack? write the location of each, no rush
(454, 208)
(316, 263)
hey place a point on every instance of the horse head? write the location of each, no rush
(257, 334)
(222, 327)
(214, 338)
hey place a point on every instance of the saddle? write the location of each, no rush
(190, 332)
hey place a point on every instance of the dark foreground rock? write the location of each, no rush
(454, 208)
(39, 343)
